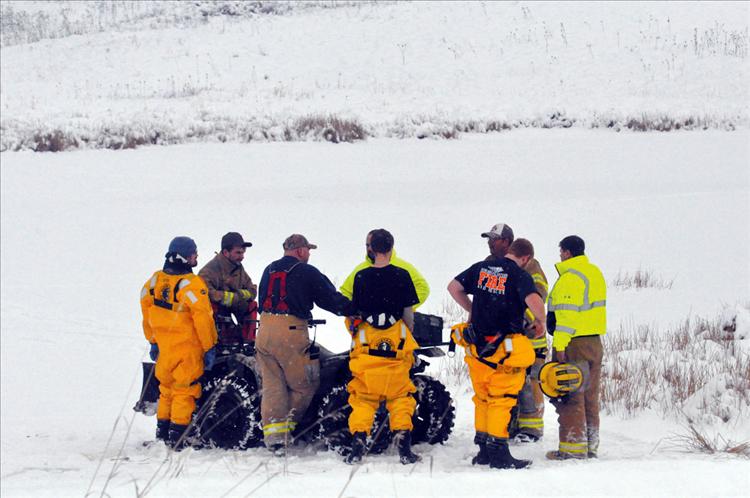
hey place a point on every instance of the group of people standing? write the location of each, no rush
(504, 338)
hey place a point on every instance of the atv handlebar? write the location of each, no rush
(310, 323)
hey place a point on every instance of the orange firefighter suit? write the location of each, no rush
(177, 316)
(380, 363)
(497, 379)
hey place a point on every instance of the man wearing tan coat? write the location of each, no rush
(530, 420)
(230, 288)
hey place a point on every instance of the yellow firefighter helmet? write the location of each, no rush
(559, 379)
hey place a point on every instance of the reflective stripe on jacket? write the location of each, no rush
(420, 284)
(578, 300)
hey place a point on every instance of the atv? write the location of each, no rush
(228, 413)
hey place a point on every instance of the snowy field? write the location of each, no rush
(397, 69)
(81, 230)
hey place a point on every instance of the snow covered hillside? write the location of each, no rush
(386, 69)
(80, 231)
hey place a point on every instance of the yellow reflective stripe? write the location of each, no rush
(539, 343)
(531, 423)
(278, 428)
(538, 279)
(573, 447)
(228, 298)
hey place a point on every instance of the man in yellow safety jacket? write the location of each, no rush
(497, 351)
(382, 349)
(420, 284)
(577, 318)
(530, 420)
(178, 323)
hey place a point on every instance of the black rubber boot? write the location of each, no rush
(404, 448)
(500, 457)
(359, 443)
(481, 458)
(178, 437)
(162, 430)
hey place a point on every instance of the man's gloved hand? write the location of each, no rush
(209, 357)
(154, 352)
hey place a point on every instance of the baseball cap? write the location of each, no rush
(500, 231)
(233, 239)
(295, 241)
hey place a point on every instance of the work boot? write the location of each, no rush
(278, 449)
(162, 430)
(561, 455)
(481, 458)
(178, 437)
(525, 437)
(359, 444)
(500, 457)
(405, 454)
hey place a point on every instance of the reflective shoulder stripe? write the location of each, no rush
(152, 282)
(538, 279)
(403, 331)
(362, 337)
(191, 296)
(144, 292)
(183, 283)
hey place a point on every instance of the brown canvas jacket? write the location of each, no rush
(228, 283)
(534, 269)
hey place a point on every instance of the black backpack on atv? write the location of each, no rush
(228, 413)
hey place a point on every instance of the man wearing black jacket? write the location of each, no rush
(289, 288)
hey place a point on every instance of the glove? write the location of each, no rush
(154, 352)
(209, 358)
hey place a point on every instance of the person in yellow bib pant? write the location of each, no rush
(178, 323)
(497, 352)
(382, 349)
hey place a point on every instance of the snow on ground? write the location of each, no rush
(81, 231)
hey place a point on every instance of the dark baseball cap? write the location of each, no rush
(500, 231)
(295, 241)
(232, 240)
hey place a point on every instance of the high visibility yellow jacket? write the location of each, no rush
(578, 300)
(176, 310)
(420, 284)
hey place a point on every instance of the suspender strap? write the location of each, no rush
(273, 301)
